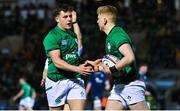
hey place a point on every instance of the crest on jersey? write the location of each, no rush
(63, 42)
(108, 46)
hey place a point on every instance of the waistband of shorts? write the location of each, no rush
(136, 85)
(125, 81)
(57, 77)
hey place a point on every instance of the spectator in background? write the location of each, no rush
(143, 68)
(27, 95)
(150, 97)
(98, 83)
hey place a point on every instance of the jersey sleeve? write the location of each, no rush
(121, 38)
(50, 42)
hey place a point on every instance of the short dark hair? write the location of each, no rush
(62, 7)
(143, 64)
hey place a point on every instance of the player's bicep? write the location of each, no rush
(55, 55)
(127, 51)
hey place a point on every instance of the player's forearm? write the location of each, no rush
(88, 88)
(80, 44)
(107, 85)
(78, 33)
(61, 64)
(77, 30)
(44, 73)
(128, 58)
(124, 62)
(19, 95)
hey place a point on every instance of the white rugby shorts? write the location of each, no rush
(27, 102)
(59, 92)
(128, 94)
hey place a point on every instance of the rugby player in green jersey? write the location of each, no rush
(27, 95)
(128, 90)
(63, 82)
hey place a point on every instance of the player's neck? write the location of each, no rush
(61, 27)
(108, 28)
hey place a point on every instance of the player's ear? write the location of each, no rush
(56, 19)
(105, 21)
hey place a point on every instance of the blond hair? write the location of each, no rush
(109, 11)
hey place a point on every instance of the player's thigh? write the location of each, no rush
(139, 106)
(21, 108)
(114, 105)
(77, 95)
(66, 107)
(56, 92)
(76, 104)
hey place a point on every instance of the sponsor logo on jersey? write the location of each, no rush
(70, 56)
(98, 80)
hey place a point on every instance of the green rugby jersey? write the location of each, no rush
(27, 90)
(114, 40)
(66, 42)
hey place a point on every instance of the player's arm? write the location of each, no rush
(96, 62)
(77, 32)
(43, 80)
(34, 95)
(128, 58)
(18, 95)
(107, 85)
(59, 63)
(88, 87)
(93, 63)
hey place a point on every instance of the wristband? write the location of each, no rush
(74, 22)
(113, 69)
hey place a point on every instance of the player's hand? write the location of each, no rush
(104, 68)
(74, 16)
(13, 99)
(94, 63)
(148, 93)
(84, 70)
(43, 80)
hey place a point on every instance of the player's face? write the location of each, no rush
(64, 20)
(100, 22)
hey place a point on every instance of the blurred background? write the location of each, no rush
(153, 25)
